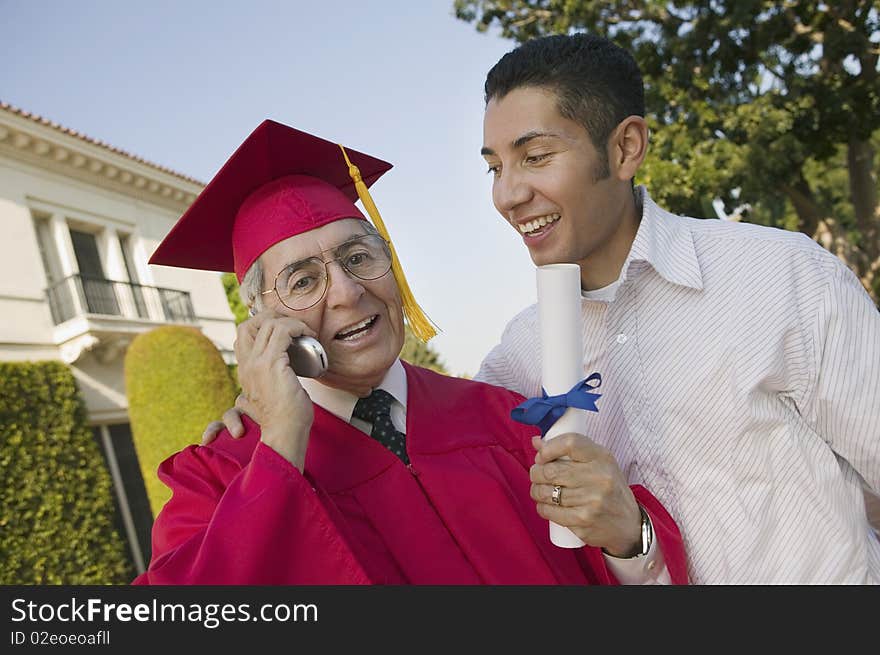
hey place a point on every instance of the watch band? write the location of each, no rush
(647, 532)
(646, 538)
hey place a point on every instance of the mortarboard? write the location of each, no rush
(279, 182)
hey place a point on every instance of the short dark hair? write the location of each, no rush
(596, 82)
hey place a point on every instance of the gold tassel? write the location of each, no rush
(420, 324)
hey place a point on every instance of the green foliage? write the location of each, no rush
(230, 285)
(176, 382)
(56, 498)
(240, 311)
(774, 104)
(233, 374)
(421, 354)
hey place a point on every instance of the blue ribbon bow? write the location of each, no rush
(545, 411)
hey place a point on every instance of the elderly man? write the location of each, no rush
(377, 472)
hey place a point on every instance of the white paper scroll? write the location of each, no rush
(562, 355)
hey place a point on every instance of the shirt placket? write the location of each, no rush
(622, 334)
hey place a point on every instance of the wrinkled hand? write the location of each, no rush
(596, 501)
(231, 420)
(271, 392)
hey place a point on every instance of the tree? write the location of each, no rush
(421, 354)
(753, 101)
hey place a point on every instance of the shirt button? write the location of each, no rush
(652, 564)
(621, 338)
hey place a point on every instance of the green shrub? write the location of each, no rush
(56, 500)
(176, 382)
(421, 354)
(238, 308)
(233, 373)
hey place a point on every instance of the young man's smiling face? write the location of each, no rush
(545, 170)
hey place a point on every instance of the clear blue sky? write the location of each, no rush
(182, 83)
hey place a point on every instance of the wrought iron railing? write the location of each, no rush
(79, 294)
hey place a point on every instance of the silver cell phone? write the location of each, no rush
(307, 357)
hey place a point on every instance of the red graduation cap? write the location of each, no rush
(280, 182)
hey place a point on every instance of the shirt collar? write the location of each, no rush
(341, 403)
(665, 242)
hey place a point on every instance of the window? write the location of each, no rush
(58, 291)
(99, 292)
(125, 244)
(134, 516)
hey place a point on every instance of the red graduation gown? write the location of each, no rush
(461, 513)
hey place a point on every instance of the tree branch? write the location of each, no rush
(808, 210)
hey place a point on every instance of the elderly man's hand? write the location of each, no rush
(596, 503)
(272, 393)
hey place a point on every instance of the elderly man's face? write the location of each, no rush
(359, 322)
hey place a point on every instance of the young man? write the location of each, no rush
(740, 364)
(376, 472)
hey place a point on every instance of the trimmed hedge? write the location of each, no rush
(56, 499)
(176, 382)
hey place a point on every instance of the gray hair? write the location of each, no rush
(251, 288)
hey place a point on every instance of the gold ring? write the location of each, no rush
(556, 496)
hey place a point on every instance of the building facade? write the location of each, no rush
(80, 219)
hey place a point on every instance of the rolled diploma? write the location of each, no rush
(562, 356)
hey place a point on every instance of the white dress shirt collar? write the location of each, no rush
(665, 242)
(341, 403)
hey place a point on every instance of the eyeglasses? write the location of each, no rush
(303, 284)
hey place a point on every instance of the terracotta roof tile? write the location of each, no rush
(79, 135)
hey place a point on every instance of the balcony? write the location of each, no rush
(79, 294)
(104, 315)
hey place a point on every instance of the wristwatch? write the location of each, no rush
(647, 533)
(646, 538)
